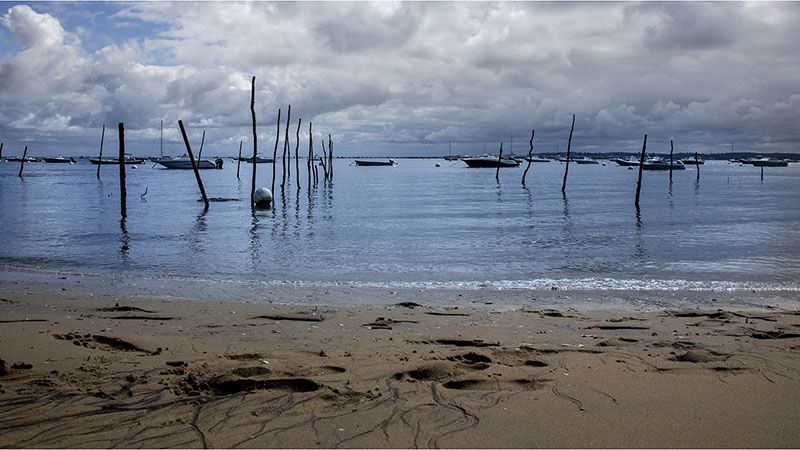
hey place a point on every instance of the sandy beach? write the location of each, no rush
(99, 371)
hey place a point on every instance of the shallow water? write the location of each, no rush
(414, 225)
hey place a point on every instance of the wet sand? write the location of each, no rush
(83, 371)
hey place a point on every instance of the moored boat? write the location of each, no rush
(128, 160)
(367, 162)
(59, 160)
(585, 160)
(490, 161)
(259, 159)
(658, 163)
(19, 159)
(537, 159)
(184, 163)
(692, 161)
(767, 162)
(630, 162)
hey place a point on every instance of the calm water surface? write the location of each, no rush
(414, 225)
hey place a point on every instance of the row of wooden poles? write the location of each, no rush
(326, 161)
(566, 165)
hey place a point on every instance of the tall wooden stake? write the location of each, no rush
(239, 159)
(1, 150)
(697, 165)
(324, 159)
(310, 158)
(330, 157)
(202, 141)
(286, 145)
(22, 163)
(194, 164)
(123, 193)
(670, 160)
(530, 158)
(499, 158)
(100, 158)
(275, 150)
(569, 147)
(297, 154)
(639, 180)
(255, 143)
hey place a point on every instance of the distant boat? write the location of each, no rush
(658, 163)
(184, 163)
(366, 162)
(626, 162)
(27, 159)
(534, 159)
(490, 161)
(450, 156)
(259, 159)
(767, 162)
(59, 160)
(692, 162)
(128, 160)
(585, 160)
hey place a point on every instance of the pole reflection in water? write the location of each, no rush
(123, 251)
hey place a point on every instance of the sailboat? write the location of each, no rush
(184, 162)
(450, 156)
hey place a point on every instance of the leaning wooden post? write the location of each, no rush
(202, 141)
(123, 193)
(697, 165)
(239, 160)
(569, 147)
(639, 180)
(275, 150)
(330, 157)
(100, 158)
(530, 158)
(285, 145)
(310, 158)
(1, 151)
(297, 154)
(255, 141)
(324, 159)
(762, 173)
(22, 163)
(670, 160)
(499, 158)
(194, 164)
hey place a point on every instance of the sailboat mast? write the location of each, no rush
(161, 145)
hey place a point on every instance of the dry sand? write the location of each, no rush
(84, 371)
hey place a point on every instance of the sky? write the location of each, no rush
(401, 78)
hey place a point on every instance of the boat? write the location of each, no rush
(658, 163)
(585, 160)
(184, 163)
(259, 159)
(534, 159)
(450, 156)
(767, 162)
(128, 160)
(20, 158)
(366, 162)
(490, 161)
(692, 161)
(59, 160)
(630, 162)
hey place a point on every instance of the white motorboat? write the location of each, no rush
(658, 163)
(184, 163)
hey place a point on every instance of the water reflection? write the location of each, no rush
(639, 252)
(125, 238)
(255, 243)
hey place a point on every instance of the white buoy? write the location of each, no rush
(263, 197)
(438, 165)
(134, 167)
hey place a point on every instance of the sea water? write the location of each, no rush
(412, 225)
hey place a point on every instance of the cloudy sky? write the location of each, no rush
(402, 78)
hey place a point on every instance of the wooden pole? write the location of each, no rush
(330, 157)
(275, 150)
(762, 173)
(639, 180)
(697, 165)
(123, 193)
(499, 158)
(569, 147)
(530, 157)
(22, 163)
(239, 159)
(1, 151)
(255, 142)
(194, 164)
(100, 158)
(324, 159)
(286, 145)
(202, 141)
(310, 158)
(670, 160)
(297, 154)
